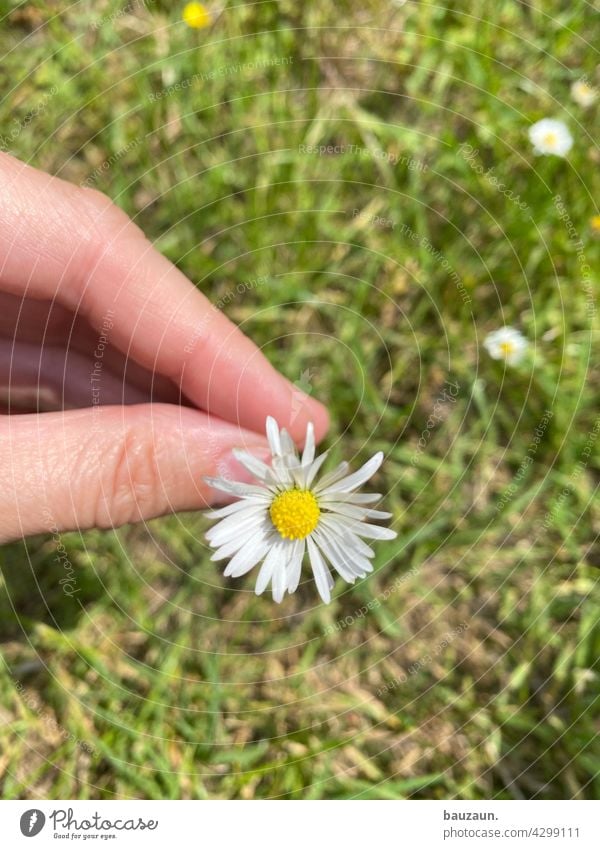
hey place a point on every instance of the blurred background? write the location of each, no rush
(353, 184)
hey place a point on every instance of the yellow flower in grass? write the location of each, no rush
(550, 136)
(595, 225)
(506, 344)
(583, 93)
(291, 511)
(197, 16)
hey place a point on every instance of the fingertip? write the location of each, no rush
(304, 409)
(320, 419)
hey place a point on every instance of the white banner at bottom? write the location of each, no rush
(265, 824)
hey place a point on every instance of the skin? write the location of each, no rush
(179, 386)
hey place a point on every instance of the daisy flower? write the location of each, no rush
(197, 16)
(583, 93)
(290, 512)
(550, 136)
(506, 344)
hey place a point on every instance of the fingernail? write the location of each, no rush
(230, 469)
(305, 408)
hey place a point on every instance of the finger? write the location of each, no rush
(113, 465)
(74, 380)
(53, 328)
(39, 379)
(50, 326)
(60, 241)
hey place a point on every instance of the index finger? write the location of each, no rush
(59, 241)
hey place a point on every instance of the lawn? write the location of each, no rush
(353, 184)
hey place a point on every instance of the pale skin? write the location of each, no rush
(178, 386)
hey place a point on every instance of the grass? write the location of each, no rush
(467, 665)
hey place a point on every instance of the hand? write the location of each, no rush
(152, 386)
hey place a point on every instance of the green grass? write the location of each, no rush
(467, 665)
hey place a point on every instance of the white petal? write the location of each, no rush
(356, 479)
(331, 477)
(308, 455)
(364, 529)
(351, 497)
(282, 471)
(352, 560)
(234, 507)
(298, 473)
(375, 532)
(335, 557)
(235, 526)
(287, 445)
(266, 570)
(234, 543)
(321, 573)
(355, 512)
(279, 581)
(347, 536)
(273, 436)
(281, 474)
(242, 490)
(314, 468)
(249, 555)
(348, 547)
(294, 568)
(255, 466)
(246, 509)
(228, 549)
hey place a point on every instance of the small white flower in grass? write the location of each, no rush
(583, 93)
(506, 344)
(289, 512)
(549, 136)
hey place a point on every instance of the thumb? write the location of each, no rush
(107, 466)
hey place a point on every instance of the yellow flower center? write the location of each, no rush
(197, 16)
(295, 513)
(507, 348)
(550, 139)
